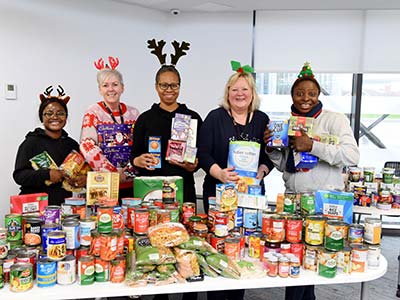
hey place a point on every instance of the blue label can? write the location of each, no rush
(46, 273)
(250, 218)
(239, 217)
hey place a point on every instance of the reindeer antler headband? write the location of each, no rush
(47, 94)
(114, 62)
(158, 46)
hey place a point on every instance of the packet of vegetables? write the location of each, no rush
(43, 161)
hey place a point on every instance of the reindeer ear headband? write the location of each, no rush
(114, 62)
(236, 66)
(47, 94)
(306, 71)
(158, 46)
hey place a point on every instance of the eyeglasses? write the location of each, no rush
(165, 86)
(50, 114)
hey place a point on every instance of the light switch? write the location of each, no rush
(10, 91)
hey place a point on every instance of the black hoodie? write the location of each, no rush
(32, 181)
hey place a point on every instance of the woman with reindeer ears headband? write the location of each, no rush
(107, 127)
(53, 113)
(156, 122)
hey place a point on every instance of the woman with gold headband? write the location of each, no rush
(332, 144)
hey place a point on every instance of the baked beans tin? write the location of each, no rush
(71, 229)
(66, 270)
(250, 218)
(255, 244)
(356, 234)
(85, 226)
(13, 224)
(218, 243)
(277, 231)
(141, 221)
(46, 228)
(335, 231)
(373, 256)
(294, 226)
(372, 231)
(104, 219)
(21, 277)
(359, 258)
(52, 214)
(102, 270)
(188, 210)
(314, 230)
(46, 273)
(31, 229)
(117, 269)
(327, 263)
(56, 248)
(86, 270)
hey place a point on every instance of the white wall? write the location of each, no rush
(47, 42)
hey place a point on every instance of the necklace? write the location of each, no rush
(240, 129)
(112, 115)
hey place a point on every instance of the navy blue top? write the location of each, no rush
(216, 132)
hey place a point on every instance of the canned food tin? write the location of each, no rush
(359, 254)
(141, 221)
(356, 234)
(344, 260)
(1, 274)
(188, 210)
(3, 236)
(7, 263)
(250, 218)
(95, 245)
(31, 231)
(66, 270)
(218, 243)
(372, 231)
(71, 228)
(221, 224)
(242, 242)
(289, 202)
(25, 256)
(314, 230)
(117, 269)
(327, 263)
(310, 260)
(46, 273)
(79, 210)
(266, 224)
(108, 248)
(102, 270)
(104, 219)
(3, 251)
(232, 248)
(255, 244)
(277, 232)
(117, 218)
(307, 204)
(56, 248)
(21, 277)
(46, 228)
(52, 214)
(335, 232)
(294, 226)
(173, 214)
(163, 216)
(86, 270)
(297, 250)
(373, 256)
(86, 225)
(13, 224)
(81, 251)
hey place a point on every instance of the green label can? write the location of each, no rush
(21, 277)
(327, 263)
(86, 269)
(13, 224)
(335, 232)
(289, 202)
(307, 204)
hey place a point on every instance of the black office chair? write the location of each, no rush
(395, 165)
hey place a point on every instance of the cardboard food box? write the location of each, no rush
(280, 137)
(150, 187)
(334, 204)
(297, 123)
(29, 203)
(226, 197)
(101, 184)
(252, 201)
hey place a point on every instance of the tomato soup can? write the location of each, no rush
(266, 222)
(46, 273)
(21, 277)
(188, 210)
(56, 248)
(31, 229)
(294, 226)
(221, 224)
(46, 228)
(117, 269)
(314, 230)
(372, 231)
(104, 219)
(102, 270)
(85, 227)
(356, 234)
(66, 270)
(71, 228)
(327, 263)
(335, 231)
(86, 269)
(52, 214)
(13, 224)
(359, 258)
(141, 221)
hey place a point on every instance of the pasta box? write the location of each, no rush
(29, 203)
(100, 185)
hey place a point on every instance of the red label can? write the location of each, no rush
(297, 249)
(217, 242)
(141, 221)
(294, 227)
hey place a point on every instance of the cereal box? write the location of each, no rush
(101, 184)
(280, 129)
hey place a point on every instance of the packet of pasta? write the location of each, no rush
(43, 161)
(73, 163)
(168, 234)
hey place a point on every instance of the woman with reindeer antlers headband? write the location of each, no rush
(156, 122)
(53, 113)
(106, 135)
